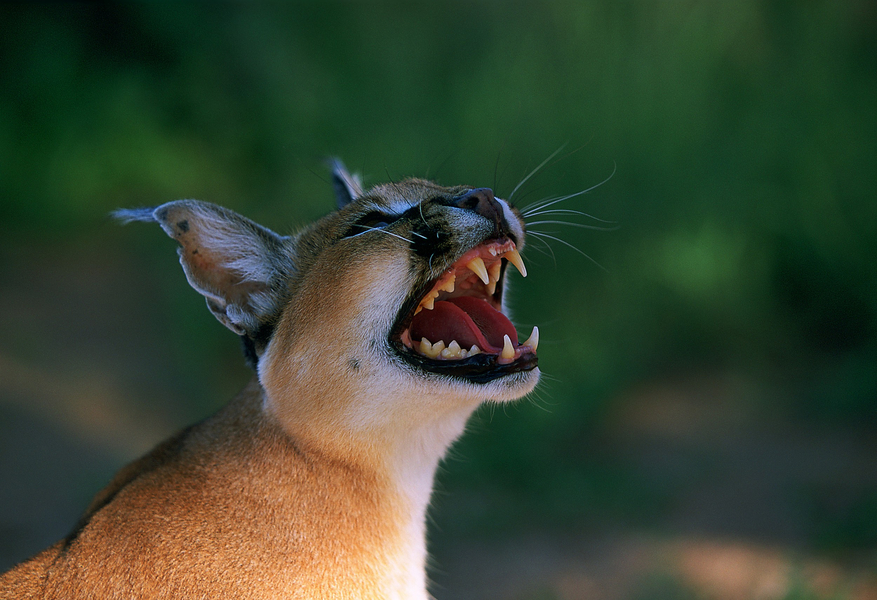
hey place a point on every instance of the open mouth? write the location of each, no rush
(457, 327)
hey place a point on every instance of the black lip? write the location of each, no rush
(481, 368)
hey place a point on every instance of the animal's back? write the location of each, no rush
(247, 527)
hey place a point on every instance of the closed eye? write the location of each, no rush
(369, 221)
(374, 221)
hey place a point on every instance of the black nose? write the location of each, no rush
(483, 202)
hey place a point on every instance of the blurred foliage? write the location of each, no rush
(742, 137)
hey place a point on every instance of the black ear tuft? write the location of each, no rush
(347, 187)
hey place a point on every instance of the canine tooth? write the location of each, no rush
(508, 350)
(452, 351)
(493, 275)
(514, 257)
(474, 350)
(533, 340)
(493, 271)
(476, 265)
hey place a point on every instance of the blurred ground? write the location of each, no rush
(742, 496)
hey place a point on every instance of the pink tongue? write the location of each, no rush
(470, 321)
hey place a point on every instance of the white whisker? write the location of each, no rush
(538, 204)
(545, 204)
(540, 234)
(395, 235)
(580, 225)
(566, 211)
(534, 171)
(550, 251)
(558, 211)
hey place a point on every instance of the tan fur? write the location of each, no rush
(188, 524)
(314, 481)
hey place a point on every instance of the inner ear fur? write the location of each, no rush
(237, 265)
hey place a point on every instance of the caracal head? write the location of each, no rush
(387, 312)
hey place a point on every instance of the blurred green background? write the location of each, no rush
(706, 425)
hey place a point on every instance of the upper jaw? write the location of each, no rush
(465, 301)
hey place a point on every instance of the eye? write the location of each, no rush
(369, 221)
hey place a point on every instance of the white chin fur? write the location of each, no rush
(511, 387)
(505, 389)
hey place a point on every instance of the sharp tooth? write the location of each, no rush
(474, 350)
(493, 275)
(494, 270)
(452, 351)
(508, 350)
(492, 250)
(477, 267)
(448, 286)
(425, 346)
(429, 302)
(514, 257)
(533, 340)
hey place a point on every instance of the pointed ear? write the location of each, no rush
(239, 266)
(347, 187)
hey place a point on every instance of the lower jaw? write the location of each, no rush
(478, 369)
